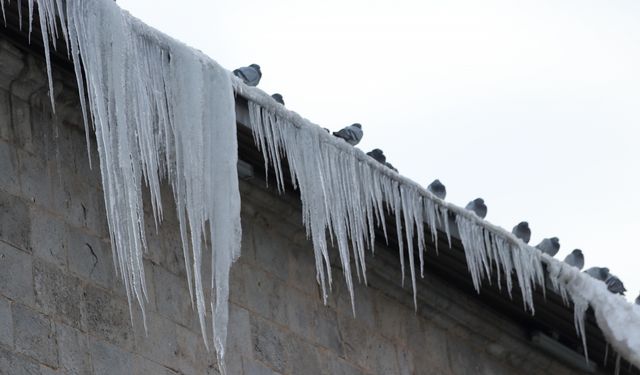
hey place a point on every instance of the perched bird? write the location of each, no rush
(250, 75)
(638, 300)
(549, 246)
(390, 166)
(278, 98)
(438, 189)
(522, 231)
(598, 273)
(615, 285)
(478, 207)
(576, 259)
(352, 134)
(378, 155)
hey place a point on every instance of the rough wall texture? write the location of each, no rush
(63, 309)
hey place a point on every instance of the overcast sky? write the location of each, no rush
(532, 105)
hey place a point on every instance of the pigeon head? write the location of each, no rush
(278, 98)
(479, 201)
(357, 125)
(523, 225)
(604, 270)
(577, 252)
(255, 66)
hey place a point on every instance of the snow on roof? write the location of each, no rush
(163, 110)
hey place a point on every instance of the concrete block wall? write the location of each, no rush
(63, 309)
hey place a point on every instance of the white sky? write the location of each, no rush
(532, 105)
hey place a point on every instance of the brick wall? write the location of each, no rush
(63, 309)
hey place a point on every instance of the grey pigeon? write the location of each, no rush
(438, 189)
(598, 273)
(478, 207)
(522, 231)
(615, 285)
(638, 300)
(390, 166)
(278, 98)
(352, 134)
(250, 75)
(549, 246)
(576, 259)
(378, 155)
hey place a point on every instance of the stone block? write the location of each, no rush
(302, 270)
(15, 223)
(367, 349)
(193, 357)
(35, 180)
(326, 329)
(6, 132)
(159, 342)
(271, 250)
(57, 293)
(90, 257)
(173, 301)
(239, 331)
(48, 238)
(304, 358)
(9, 165)
(108, 359)
(250, 367)
(16, 364)
(6, 323)
(16, 280)
(270, 344)
(108, 317)
(35, 335)
(21, 121)
(144, 366)
(333, 365)
(262, 293)
(73, 350)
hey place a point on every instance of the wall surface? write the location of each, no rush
(63, 309)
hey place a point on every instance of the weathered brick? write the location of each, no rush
(9, 165)
(15, 224)
(239, 331)
(108, 317)
(73, 350)
(108, 359)
(193, 357)
(333, 365)
(16, 364)
(48, 237)
(90, 257)
(6, 323)
(35, 335)
(270, 344)
(58, 293)
(326, 329)
(16, 280)
(260, 292)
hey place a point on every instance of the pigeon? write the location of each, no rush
(378, 155)
(522, 231)
(390, 166)
(278, 98)
(638, 300)
(576, 259)
(615, 285)
(437, 189)
(352, 134)
(549, 246)
(250, 75)
(598, 273)
(478, 207)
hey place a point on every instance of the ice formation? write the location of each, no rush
(345, 195)
(162, 110)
